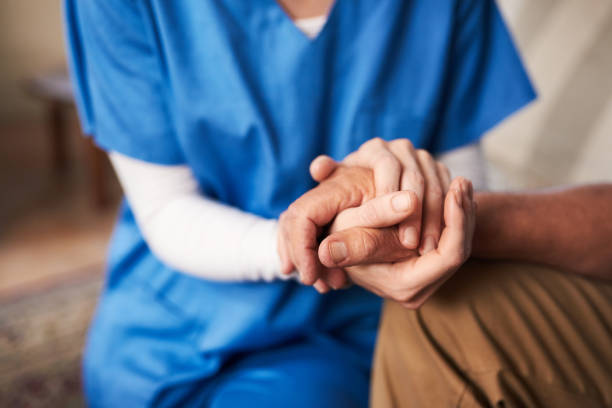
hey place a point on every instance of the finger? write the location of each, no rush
(321, 286)
(285, 261)
(336, 278)
(321, 167)
(456, 246)
(469, 209)
(375, 154)
(346, 187)
(445, 176)
(383, 211)
(452, 248)
(303, 249)
(359, 246)
(432, 205)
(411, 179)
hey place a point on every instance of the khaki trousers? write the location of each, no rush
(499, 335)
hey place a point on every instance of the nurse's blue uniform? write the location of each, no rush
(235, 91)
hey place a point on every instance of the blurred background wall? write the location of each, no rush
(31, 42)
(566, 135)
(53, 231)
(54, 226)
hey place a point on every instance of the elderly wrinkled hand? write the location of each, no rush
(377, 170)
(398, 166)
(413, 279)
(307, 219)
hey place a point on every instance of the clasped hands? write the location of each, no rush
(387, 218)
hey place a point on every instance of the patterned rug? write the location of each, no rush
(42, 333)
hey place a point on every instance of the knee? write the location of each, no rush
(463, 322)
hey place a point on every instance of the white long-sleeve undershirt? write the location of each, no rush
(192, 233)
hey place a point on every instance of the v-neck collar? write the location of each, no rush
(286, 19)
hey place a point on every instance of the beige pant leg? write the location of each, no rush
(502, 335)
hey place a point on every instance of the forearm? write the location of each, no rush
(192, 233)
(567, 228)
(213, 241)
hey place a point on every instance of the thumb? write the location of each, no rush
(384, 211)
(358, 246)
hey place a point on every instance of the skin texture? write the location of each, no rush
(397, 165)
(377, 169)
(568, 228)
(305, 219)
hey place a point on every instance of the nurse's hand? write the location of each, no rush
(412, 281)
(397, 165)
(306, 220)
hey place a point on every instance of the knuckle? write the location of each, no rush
(351, 157)
(415, 179)
(368, 244)
(389, 163)
(292, 211)
(404, 144)
(373, 144)
(377, 142)
(424, 155)
(285, 218)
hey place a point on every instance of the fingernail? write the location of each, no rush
(401, 202)
(338, 251)
(410, 238)
(428, 245)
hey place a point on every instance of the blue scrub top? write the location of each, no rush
(235, 91)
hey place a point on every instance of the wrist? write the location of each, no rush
(502, 225)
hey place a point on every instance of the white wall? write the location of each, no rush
(566, 136)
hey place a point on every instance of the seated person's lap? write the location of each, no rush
(310, 374)
(125, 365)
(512, 333)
